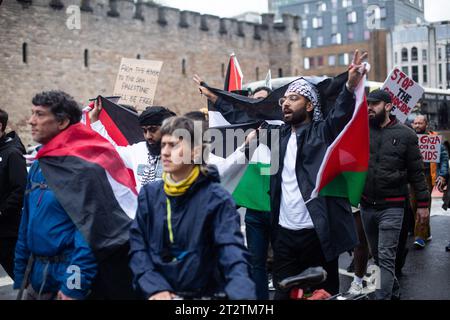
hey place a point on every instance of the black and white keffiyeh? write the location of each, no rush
(309, 91)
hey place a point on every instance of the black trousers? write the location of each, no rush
(7, 252)
(114, 278)
(295, 251)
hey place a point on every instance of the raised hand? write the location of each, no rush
(356, 70)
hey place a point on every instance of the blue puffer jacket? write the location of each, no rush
(208, 243)
(46, 230)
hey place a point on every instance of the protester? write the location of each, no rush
(13, 178)
(49, 242)
(186, 237)
(257, 223)
(394, 161)
(310, 232)
(436, 174)
(144, 157)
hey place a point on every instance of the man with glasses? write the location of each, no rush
(310, 232)
(143, 157)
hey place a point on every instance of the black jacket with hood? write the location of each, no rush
(13, 179)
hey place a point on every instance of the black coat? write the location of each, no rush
(395, 160)
(13, 179)
(331, 216)
(206, 231)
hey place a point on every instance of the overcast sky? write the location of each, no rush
(435, 10)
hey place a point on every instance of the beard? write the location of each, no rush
(154, 148)
(297, 117)
(377, 120)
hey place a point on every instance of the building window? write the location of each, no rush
(317, 22)
(336, 38)
(440, 73)
(183, 66)
(383, 12)
(440, 53)
(343, 59)
(307, 42)
(306, 64)
(321, 7)
(352, 17)
(447, 50)
(306, 8)
(86, 58)
(334, 4)
(396, 57)
(424, 55)
(350, 36)
(24, 52)
(415, 73)
(414, 54)
(405, 70)
(280, 73)
(138, 56)
(425, 73)
(320, 62)
(332, 60)
(312, 62)
(346, 3)
(305, 23)
(320, 40)
(334, 19)
(257, 73)
(404, 55)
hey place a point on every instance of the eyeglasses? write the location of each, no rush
(151, 129)
(291, 98)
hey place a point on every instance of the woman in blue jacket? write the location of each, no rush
(186, 236)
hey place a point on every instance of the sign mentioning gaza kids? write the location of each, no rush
(404, 92)
(430, 147)
(136, 82)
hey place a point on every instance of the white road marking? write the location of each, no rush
(6, 281)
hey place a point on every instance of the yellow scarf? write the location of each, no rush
(172, 188)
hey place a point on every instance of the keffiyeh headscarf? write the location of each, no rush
(309, 91)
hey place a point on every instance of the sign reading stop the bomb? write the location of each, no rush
(405, 93)
(430, 147)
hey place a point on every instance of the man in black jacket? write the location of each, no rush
(310, 232)
(13, 177)
(395, 161)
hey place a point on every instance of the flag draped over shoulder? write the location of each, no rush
(93, 186)
(121, 123)
(344, 168)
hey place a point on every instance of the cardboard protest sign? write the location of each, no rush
(136, 82)
(404, 92)
(430, 147)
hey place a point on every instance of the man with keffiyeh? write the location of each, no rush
(310, 232)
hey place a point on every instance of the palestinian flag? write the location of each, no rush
(233, 78)
(120, 122)
(249, 183)
(344, 168)
(93, 186)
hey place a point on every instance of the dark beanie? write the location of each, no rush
(154, 116)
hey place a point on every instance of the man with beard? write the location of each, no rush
(436, 174)
(143, 157)
(394, 161)
(310, 232)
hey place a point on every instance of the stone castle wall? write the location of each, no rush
(110, 30)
